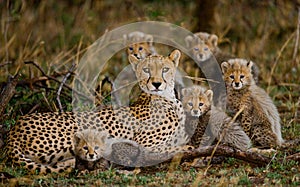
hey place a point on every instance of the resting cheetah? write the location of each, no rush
(204, 47)
(203, 119)
(260, 118)
(42, 141)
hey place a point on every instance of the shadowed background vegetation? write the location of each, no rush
(55, 34)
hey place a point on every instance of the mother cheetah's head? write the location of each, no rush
(156, 73)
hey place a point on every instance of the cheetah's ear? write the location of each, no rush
(175, 56)
(104, 136)
(125, 38)
(184, 92)
(224, 66)
(188, 41)
(209, 94)
(149, 39)
(213, 39)
(133, 61)
(78, 136)
(249, 64)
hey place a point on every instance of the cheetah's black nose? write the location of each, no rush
(91, 155)
(156, 84)
(237, 84)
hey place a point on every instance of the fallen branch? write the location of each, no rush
(227, 151)
(7, 93)
(295, 157)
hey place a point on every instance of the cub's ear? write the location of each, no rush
(78, 136)
(209, 94)
(213, 39)
(133, 61)
(125, 38)
(224, 66)
(189, 41)
(104, 136)
(149, 39)
(249, 64)
(184, 92)
(175, 56)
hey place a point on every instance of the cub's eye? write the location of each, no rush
(164, 70)
(242, 76)
(140, 48)
(200, 104)
(196, 49)
(205, 49)
(231, 76)
(85, 148)
(146, 70)
(96, 147)
(130, 48)
(190, 104)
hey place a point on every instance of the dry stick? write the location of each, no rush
(7, 93)
(216, 146)
(297, 36)
(5, 63)
(63, 82)
(200, 79)
(56, 80)
(276, 61)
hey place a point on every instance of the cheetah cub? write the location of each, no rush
(142, 46)
(203, 119)
(93, 148)
(259, 118)
(90, 146)
(204, 47)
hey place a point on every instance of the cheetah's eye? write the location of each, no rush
(140, 48)
(196, 49)
(85, 148)
(242, 76)
(200, 104)
(231, 76)
(190, 104)
(205, 49)
(165, 70)
(146, 70)
(96, 148)
(130, 48)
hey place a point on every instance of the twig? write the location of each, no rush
(56, 80)
(62, 84)
(201, 79)
(5, 63)
(276, 61)
(214, 149)
(297, 36)
(7, 93)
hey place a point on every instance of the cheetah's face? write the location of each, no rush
(202, 45)
(156, 73)
(237, 73)
(201, 52)
(196, 100)
(90, 144)
(139, 50)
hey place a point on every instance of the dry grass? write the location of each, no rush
(56, 34)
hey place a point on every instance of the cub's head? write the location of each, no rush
(156, 73)
(237, 73)
(196, 100)
(90, 144)
(202, 45)
(142, 46)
